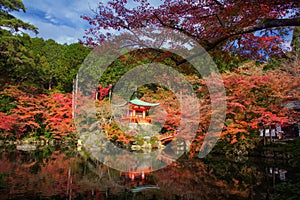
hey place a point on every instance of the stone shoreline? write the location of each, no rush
(36, 142)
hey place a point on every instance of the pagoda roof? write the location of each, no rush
(139, 102)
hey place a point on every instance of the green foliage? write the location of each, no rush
(9, 21)
(153, 140)
(140, 141)
(15, 59)
(56, 64)
(287, 191)
(227, 61)
(45, 64)
(296, 40)
(6, 104)
(272, 64)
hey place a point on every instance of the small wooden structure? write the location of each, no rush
(138, 111)
(139, 173)
(164, 138)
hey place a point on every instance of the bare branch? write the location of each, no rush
(268, 23)
(174, 27)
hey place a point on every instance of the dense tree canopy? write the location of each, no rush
(45, 64)
(13, 55)
(57, 64)
(248, 28)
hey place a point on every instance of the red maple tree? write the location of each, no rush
(36, 113)
(253, 28)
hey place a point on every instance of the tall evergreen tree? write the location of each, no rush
(14, 57)
(9, 21)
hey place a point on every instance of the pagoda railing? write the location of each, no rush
(137, 119)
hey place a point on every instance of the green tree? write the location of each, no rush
(9, 21)
(71, 59)
(57, 64)
(14, 57)
(296, 40)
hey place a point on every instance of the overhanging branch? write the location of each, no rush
(268, 23)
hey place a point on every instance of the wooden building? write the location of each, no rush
(139, 111)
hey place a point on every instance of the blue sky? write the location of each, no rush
(58, 19)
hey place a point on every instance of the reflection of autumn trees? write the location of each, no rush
(194, 179)
(34, 177)
(56, 175)
(66, 174)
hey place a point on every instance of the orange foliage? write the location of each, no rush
(253, 97)
(37, 113)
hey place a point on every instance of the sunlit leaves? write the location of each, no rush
(223, 25)
(37, 113)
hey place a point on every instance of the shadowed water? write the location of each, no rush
(56, 172)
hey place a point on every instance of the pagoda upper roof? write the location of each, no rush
(139, 102)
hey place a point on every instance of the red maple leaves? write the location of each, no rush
(37, 113)
(249, 28)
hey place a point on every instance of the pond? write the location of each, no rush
(63, 172)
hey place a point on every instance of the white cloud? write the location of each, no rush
(58, 20)
(60, 33)
(51, 18)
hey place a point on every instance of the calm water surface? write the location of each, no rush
(56, 172)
